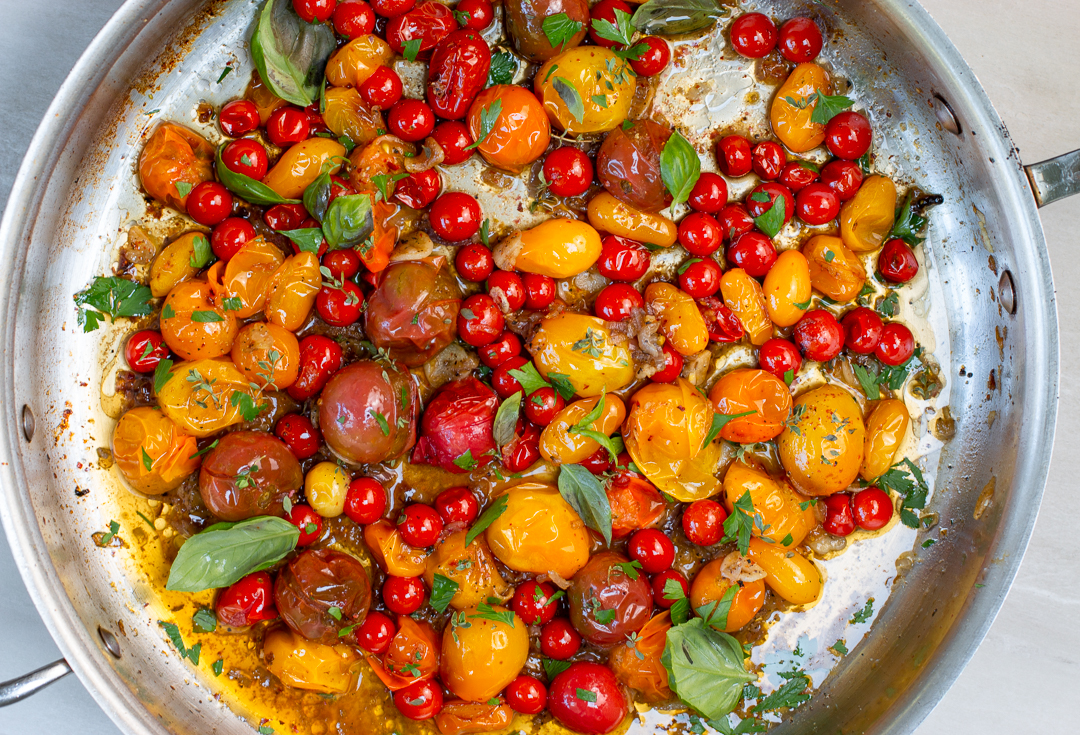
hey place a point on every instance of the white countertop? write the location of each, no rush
(1023, 678)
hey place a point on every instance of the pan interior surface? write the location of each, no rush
(988, 270)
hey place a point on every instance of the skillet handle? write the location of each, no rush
(22, 687)
(1055, 178)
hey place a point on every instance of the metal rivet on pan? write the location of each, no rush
(1007, 292)
(946, 116)
(27, 423)
(111, 644)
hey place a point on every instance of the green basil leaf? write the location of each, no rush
(317, 194)
(443, 590)
(771, 221)
(705, 668)
(206, 317)
(291, 54)
(675, 17)
(586, 495)
(486, 518)
(506, 419)
(719, 420)
(489, 116)
(571, 97)
(411, 48)
(227, 552)
(205, 620)
(348, 222)
(309, 239)
(680, 167)
(248, 188)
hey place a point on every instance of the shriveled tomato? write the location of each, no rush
(173, 162)
(608, 214)
(604, 82)
(792, 123)
(756, 391)
(681, 321)
(198, 396)
(353, 63)
(457, 72)
(267, 355)
(521, 131)
(834, 270)
(152, 453)
(367, 412)
(472, 568)
(539, 532)
(413, 655)
(628, 165)
(583, 349)
(193, 326)
(525, 24)
(429, 23)
(456, 430)
(347, 114)
(609, 584)
(462, 718)
(635, 503)
(744, 297)
(561, 445)
(320, 357)
(316, 667)
(721, 321)
(413, 311)
(637, 664)
(249, 473)
(323, 595)
(709, 588)
(484, 652)
(246, 276)
(390, 551)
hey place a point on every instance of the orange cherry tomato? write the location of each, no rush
(346, 114)
(834, 270)
(413, 655)
(789, 574)
(822, 446)
(461, 718)
(886, 429)
(787, 288)
(193, 326)
(681, 321)
(709, 587)
(198, 396)
(559, 445)
(539, 532)
(246, 276)
(353, 63)
(785, 514)
(637, 664)
(743, 295)
(793, 107)
(616, 217)
(482, 656)
(267, 355)
(301, 164)
(604, 83)
(151, 451)
(472, 569)
(304, 664)
(751, 390)
(867, 218)
(291, 293)
(635, 503)
(265, 100)
(521, 132)
(391, 552)
(175, 155)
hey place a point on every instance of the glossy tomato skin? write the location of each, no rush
(897, 262)
(532, 602)
(673, 365)
(287, 126)
(843, 177)
(862, 330)
(411, 120)
(709, 194)
(313, 583)
(480, 322)
(768, 159)
(507, 285)
(700, 234)
(659, 582)
(543, 405)
(897, 344)
(376, 632)
(501, 350)
(320, 357)
(420, 525)
(524, 452)
(479, 14)
(458, 420)
(238, 117)
(299, 435)
(308, 521)
(559, 640)
(420, 189)
(366, 501)
(617, 302)
(229, 236)
(342, 264)
(502, 381)
(701, 279)
(653, 59)
(720, 321)
(382, 89)
(819, 336)
(249, 473)
(455, 216)
(285, 217)
(246, 157)
(817, 204)
(404, 595)
(144, 350)
(839, 520)
(209, 203)
(421, 700)
(872, 508)
(734, 220)
(430, 22)
(354, 18)
(734, 157)
(539, 290)
(756, 206)
(474, 262)
(248, 601)
(526, 695)
(598, 462)
(314, 11)
(848, 135)
(754, 252)
(800, 40)
(392, 8)
(340, 307)
(778, 356)
(628, 165)
(457, 505)
(622, 259)
(703, 522)
(797, 176)
(454, 139)
(605, 10)
(457, 72)
(652, 549)
(569, 172)
(607, 582)
(601, 713)
(754, 35)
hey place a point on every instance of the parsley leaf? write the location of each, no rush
(621, 31)
(205, 620)
(466, 461)
(864, 614)
(484, 611)
(719, 421)
(910, 220)
(503, 68)
(554, 667)
(680, 611)
(113, 297)
(740, 524)
(560, 29)
(906, 479)
(826, 107)
(585, 695)
(530, 378)
(201, 252)
(791, 694)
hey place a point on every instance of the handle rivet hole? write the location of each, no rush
(109, 641)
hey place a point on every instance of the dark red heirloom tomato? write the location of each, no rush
(848, 135)
(229, 236)
(313, 584)
(701, 278)
(700, 234)
(533, 604)
(622, 259)
(413, 311)
(288, 125)
(375, 633)
(734, 220)
(498, 352)
(559, 640)
(526, 695)
(421, 700)
(872, 508)
(475, 14)
(454, 139)
(800, 40)
(455, 216)
(703, 522)
(314, 11)
(419, 525)
(609, 582)
(542, 406)
(733, 156)
(568, 171)
(457, 505)
(238, 117)
(320, 357)
(843, 177)
(391, 8)
(420, 189)
(429, 22)
(365, 502)
(382, 89)
(308, 521)
(709, 194)
(506, 285)
(352, 404)
(839, 520)
(299, 435)
(754, 35)
(474, 262)
(209, 203)
(654, 59)
(403, 595)
(340, 307)
(617, 302)
(411, 120)
(754, 252)
(605, 10)
(757, 204)
(779, 356)
(248, 474)
(354, 18)
(539, 290)
(628, 165)
(587, 698)
(652, 549)
(283, 217)
(720, 321)
(342, 264)
(897, 262)
(796, 175)
(457, 425)
(673, 365)
(458, 71)
(661, 598)
(768, 159)
(817, 204)
(818, 335)
(862, 330)
(897, 344)
(524, 451)
(480, 322)
(144, 350)
(249, 601)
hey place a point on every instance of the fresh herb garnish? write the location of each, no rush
(226, 552)
(204, 620)
(771, 221)
(486, 518)
(112, 297)
(906, 479)
(587, 497)
(680, 167)
(443, 590)
(570, 96)
(863, 615)
(560, 29)
(489, 117)
(719, 421)
(705, 668)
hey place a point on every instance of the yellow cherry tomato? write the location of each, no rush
(347, 114)
(315, 667)
(291, 293)
(592, 76)
(174, 155)
(665, 435)
(267, 355)
(353, 63)
(539, 532)
(794, 105)
(709, 588)
(834, 270)
(822, 446)
(246, 276)
(758, 391)
(681, 321)
(472, 569)
(151, 451)
(867, 217)
(391, 552)
(785, 514)
(743, 295)
(325, 486)
(584, 350)
(173, 265)
(520, 132)
(787, 288)
(264, 98)
(193, 326)
(789, 574)
(560, 445)
(616, 217)
(301, 164)
(458, 717)
(559, 248)
(198, 396)
(479, 659)
(885, 431)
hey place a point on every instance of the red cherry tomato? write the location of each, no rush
(420, 189)
(299, 435)
(568, 171)
(559, 640)
(599, 711)
(673, 365)
(617, 301)
(701, 279)
(862, 330)
(652, 60)
(757, 205)
(819, 336)
(340, 307)
(800, 40)
(605, 10)
(526, 695)
(428, 22)
(320, 357)
(480, 322)
(622, 259)
(598, 462)
(455, 216)
(144, 350)
(315, 119)
(709, 194)
(542, 406)
(314, 11)
(238, 118)
(308, 521)
(457, 72)
(354, 18)
(754, 35)
(284, 217)
(411, 120)
(722, 324)
(817, 204)
(839, 520)
(229, 236)
(454, 139)
(376, 632)
(734, 220)
(754, 252)
(403, 595)
(420, 525)
(703, 522)
(796, 176)
(523, 453)
(653, 549)
(897, 344)
(342, 263)
(848, 135)
(539, 291)
(661, 597)
(209, 203)
(780, 357)
(897, 262)
(768, 159)
(733, 156)
(501, 350)
(700, 234)
(872, 508)
(503, 382)
(843, 177)
(419, 701)
(475, 14)
(249, 601)
(392, 8)
(382, 89)
(533, 604)
(365, 502)
(247, 157)
(457, 505)
(474, 262)
(288, 125)
(508, 284)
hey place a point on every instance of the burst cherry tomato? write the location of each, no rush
(862, 330)
(526, 695)
(480, 322)
(314, 11)
(299, 435)
(249, 601)
(542, 406)
(673, 365)
(843, 177)
(454, 139)
(897, 344)
(509, 285)
(796, 176)
(457, 505)
(382, 89)
(420, 189)
(817, 204)
(421, 700)
(144, 350)
(734, 221)
(872, 509)
(354, 18)
(403, 595)
(780, 357)
(284, 217)
(533, 604)
(754, 252)
(477, 14)
(733, 156)
(288, 125)
(617, 301)
(701, 279)
(523, 453)
(501, 350)
(320, 357)
(503, 382)
(342, 264)
(376, 632)
(754, 35)
(839, 520)
(897, 262)
(340, 307)
(455, 216)
(653, 59)
(660, 594)
(700, 234)
(411, 120)
(757, 205)
(474, 262)
(559, 640)
(420, 525)
(652, 549)
(539, 291)
(709, 194)
(819, 336)
(605, 10)
(209, 203)
(392, 8)
(767, 159)
(569, 172)
(800, 40)
(308, 521)
(848, 135)
(703, 522)
(238, 117)
(720, 321)
(598, 462)
(622, 259)
(365, 502)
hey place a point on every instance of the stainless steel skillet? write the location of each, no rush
(988, 257)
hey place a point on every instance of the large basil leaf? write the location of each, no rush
(317, 194)
(348, 221)
(248, 188)
(705, 668)
(506, 419)
(226, 552)
(674, 17)
(586, 495)
(680, 167)
(290, 54)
